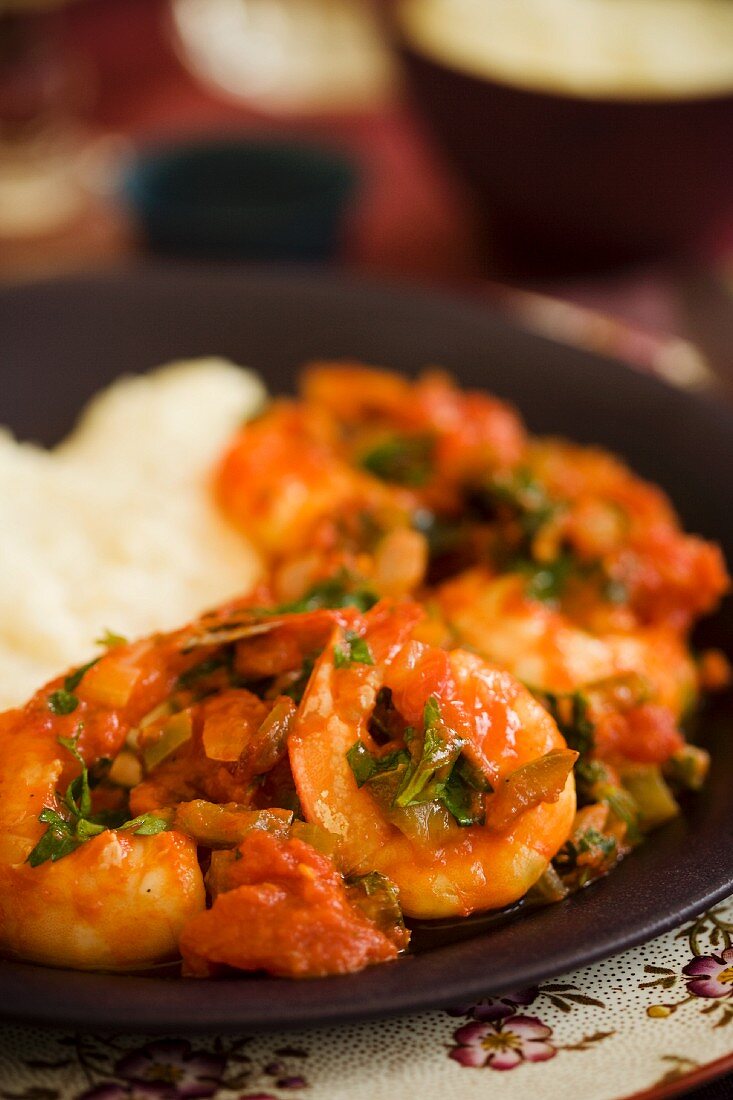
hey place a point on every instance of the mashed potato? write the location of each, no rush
(116, 528)
(618, 48)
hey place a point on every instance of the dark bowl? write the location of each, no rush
(237, 199)
(64, 340)
(567, 183)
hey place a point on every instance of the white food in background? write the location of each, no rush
(623, 48)
(117, 528)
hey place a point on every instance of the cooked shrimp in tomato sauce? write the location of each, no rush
(463, 679)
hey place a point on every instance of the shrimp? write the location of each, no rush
(119, 900)
(544, 649)
(472, 432)
(283, 478)
(338, 477)
(610, 515)
(441, 869)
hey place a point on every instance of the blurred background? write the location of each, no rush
(578, 152)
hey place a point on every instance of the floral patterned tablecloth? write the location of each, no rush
(644, 1019)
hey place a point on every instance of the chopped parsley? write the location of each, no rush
(341, 590)
(354, 651)
(463, 793)
(430, 769)
(366, 766)
(518, 495)
(586, 857)
(110, 640)
(72, 825)
(571, 713)
(72, 681)
(194, 675)
(546, 581)
(378, 898)
(64, 701)
(402, 460)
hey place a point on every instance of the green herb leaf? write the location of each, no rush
(436, 771)
(56, 842)
(52, 817)
(355, 652)
(66, 833)
(72, 681)
(585, 858)
(110, 640)
(520, 494)
(546, 581)
(78, 797)
(378, 898)
(624, 807)
(571, 713)
(591, 841)
(149, 824)
(464, 802)
(62, 702)
(53, 845)
(439, 753)
(86, 829)
(198, 672)
(402, 460)
(341, 590)
(366, 767)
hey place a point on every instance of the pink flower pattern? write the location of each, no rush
(167, 1069)
(503, 1044)
(710, 975)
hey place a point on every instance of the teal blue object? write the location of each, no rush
(236, 199)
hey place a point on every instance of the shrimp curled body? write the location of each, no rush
(463, 869)
(117, 902)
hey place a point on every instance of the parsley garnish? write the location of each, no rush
(378, 898)
(365, 766)
(64, 701)
(69, 829)
(585, 858)
(546, 580)
(570, 711)
(355, 651)
(439, 753)
(72, 681)
(402, 460)
(110, 640)
(463, 791)
(520, 495)
(342, 590)
(433, 770)
(149, 824)
(198, 672)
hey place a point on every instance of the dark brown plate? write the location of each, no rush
(61, 341)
